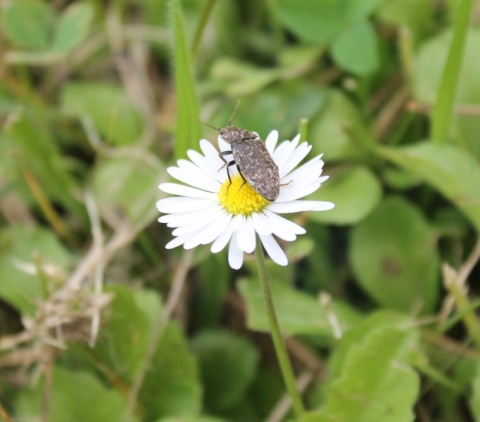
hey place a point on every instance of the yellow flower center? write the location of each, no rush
(240, 198)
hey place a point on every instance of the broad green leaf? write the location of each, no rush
(356, 50)
(125, 334)
(355, 192)
(267, 390)
(450, 170)
(298, 313)
(430, 61)
(394, 257)
(269, 111)
(27, 23)
(320, 21)
(172, 382)
(72, 27)
(429, 65)
(241, 78)
(188, 132)
(374, 321)
(151, 305)
(413, 14)
(111, 111)
(340, 131)
(73, 396)
(220, 353)
(376, 384)
(130, 183)
(20, 286)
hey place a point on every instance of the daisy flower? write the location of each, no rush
(209, 208)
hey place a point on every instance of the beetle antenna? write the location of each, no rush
(206, 124)
(233, 114)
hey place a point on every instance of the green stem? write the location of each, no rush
(202, 23)
(456, 289)
(280, 350)
(443, 110)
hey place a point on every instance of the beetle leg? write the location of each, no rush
(221, 155)
(243, 177)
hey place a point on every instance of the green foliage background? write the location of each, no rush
(98, 322)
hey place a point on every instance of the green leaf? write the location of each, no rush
(72, 27)
(320, 21)
(413, 14)
(130, 183)
(376, 384)
(394, 257)
(73, 396)
(374, 321)
(171, 386)
(27, 23)
(340, 132)
(474, 401)
(151, 305)
(298, 313)
(19, 284)
(228, 365)
(356, 49)
(263, 113)
(443, 109)
(429, 64)
(355, 191)
(124, 339)
(450, 170)
(38, 154)
(111, 111)
(188, 132)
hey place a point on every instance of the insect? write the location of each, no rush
(251, 156)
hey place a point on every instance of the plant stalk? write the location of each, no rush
(280, 350)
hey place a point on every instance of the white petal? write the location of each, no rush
(298, 155)
(219, 227)
(274, 251)
(223, 145)
(280, 154)
(209, 150)
(209, 167)
(286, 224)
(223, 239)
(310, 170)
(179, 204)
(271, 141)
(184, 218)
(283, 228)
(298, 206)
(190, 174)
(235, 255)
(176, 242)
(176, 189)
(287, 148)
(260, 222)
(297, 192)
(208, 233)
(246, 236)
(198, 224)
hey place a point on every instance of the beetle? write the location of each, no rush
(250, 154)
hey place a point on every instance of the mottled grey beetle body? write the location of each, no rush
(253, 161)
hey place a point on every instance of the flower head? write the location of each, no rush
(208, 207)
